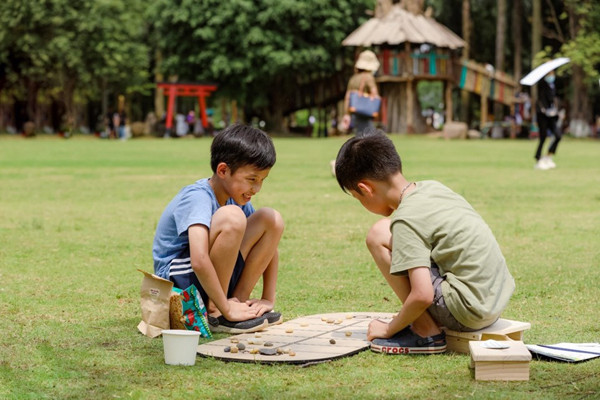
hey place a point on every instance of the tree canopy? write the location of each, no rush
(256, 50)
(69, 46)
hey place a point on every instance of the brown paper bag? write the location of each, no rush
(155, 303)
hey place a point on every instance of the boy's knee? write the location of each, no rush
(379, 234)
(272, 218)
(229, 218)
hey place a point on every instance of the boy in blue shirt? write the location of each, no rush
(434, 250)
(211, 236)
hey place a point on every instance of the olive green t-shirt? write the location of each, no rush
(435, 224)
(366, 79)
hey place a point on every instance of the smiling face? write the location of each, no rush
(241, 185)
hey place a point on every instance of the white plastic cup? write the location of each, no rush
(180, 346)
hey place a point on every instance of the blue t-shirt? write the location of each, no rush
(194, 204)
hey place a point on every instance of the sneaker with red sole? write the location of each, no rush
(408, 342)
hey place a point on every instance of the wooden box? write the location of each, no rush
(511, 364)
(503, 329)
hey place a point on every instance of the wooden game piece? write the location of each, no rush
(330, 320)
(268, 344)
(254, 350)
(349, 316)
(234, 340)
(304, 324)
(348, 333)
(257, 335)
(323, 318)
(289, 330)
(234, 349)
(332, 341)
(291, 354)
(267, 351)
(241, 346)
(338, 321)
(227, 349)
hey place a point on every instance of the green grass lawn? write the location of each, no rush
(77, 217)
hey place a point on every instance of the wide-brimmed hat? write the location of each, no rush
(367, 60)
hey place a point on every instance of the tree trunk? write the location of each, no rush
(397, 95)
(517, 30)
(536, 45)
(159, 96)
(68, 99)
(274, 112)
(32, 93)
(104, 104)
(500, 43)
(274, 119)
(465, 96)
(580, 108)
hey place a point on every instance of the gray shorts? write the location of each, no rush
(438, 309)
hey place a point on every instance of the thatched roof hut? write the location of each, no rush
(399, 26)
(411, 46)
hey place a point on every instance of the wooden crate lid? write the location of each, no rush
(516, 352)
(500, 327)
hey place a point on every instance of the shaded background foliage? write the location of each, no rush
(256, 51)
(68, 55)
(62, 49)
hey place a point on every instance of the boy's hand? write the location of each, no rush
(239, 311)
(377, 329)
(262, 306)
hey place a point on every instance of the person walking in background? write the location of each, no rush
(362, 81)
(122, 123)
(190, 119)
(116, 123)
(547, 116)
(110, 124)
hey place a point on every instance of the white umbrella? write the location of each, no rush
(534, 76)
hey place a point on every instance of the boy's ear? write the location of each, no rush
(222, 169)
(366, 187)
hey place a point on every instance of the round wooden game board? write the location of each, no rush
(308, 338)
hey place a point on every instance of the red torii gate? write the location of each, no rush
(186, 89)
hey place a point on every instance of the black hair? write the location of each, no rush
(239, 145)
(370, 156)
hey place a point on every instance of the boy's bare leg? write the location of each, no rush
(227, 229)
(379, 244)
(259, 249)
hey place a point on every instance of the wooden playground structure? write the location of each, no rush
(413, 47)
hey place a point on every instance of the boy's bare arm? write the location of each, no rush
(373, 88)
(207, 275)
(416, 303)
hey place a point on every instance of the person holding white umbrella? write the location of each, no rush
(547, 115)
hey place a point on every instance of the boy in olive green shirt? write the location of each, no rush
(437, 254)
